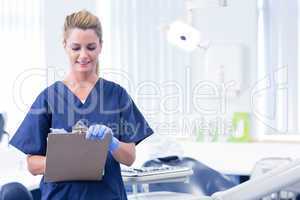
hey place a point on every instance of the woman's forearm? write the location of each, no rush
(36, 164)
(125, 154)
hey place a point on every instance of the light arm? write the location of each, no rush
(269, 182)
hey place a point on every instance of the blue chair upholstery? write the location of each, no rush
(14, 191)
(205, 180)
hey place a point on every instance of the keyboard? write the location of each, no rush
(145, 174)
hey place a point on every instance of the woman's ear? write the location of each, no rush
(64, 44)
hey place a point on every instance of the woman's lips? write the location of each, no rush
(83, 64)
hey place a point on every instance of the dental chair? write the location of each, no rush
(15, 191)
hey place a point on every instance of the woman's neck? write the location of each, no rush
(74, 78)
(80, 77)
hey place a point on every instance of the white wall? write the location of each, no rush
(235, 24)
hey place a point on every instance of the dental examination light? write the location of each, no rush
(182, 34)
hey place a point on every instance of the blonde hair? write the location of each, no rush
(83, 19)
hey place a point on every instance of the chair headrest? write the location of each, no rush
(15, 191)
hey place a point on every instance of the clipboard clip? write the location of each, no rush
(80, 127)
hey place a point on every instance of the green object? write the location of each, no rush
(200, 136)
(241, 127)
(215, 135)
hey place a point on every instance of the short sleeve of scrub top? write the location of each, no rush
(134, 128)
(31, 135)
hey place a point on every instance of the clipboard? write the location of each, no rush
(71, 157)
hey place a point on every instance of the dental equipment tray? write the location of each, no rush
(156, 174)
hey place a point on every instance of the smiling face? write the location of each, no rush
(83, 48)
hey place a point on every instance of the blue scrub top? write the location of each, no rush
(57, 107)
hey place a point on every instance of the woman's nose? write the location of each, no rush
(83, 53)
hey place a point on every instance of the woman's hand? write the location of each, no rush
(121, 151)
(36, 164)
(99, 132)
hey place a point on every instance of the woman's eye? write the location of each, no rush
(76, 49)
(91, 48)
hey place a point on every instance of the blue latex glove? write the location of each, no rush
(98, 132)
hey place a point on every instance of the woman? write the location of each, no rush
(83, 96)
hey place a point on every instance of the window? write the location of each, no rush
(22, 57)
(276, 94)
